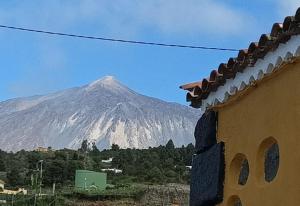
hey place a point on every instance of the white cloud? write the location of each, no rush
(192, 16)
(133, 16)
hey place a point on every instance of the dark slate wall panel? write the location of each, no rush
(208, 176)
(205, 131)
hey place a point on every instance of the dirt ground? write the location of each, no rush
(104, 203)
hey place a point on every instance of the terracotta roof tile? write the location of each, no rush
(280, 33)
(190, 86)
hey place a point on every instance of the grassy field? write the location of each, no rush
(134, 194)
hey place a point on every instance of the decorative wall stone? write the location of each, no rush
(208, 176)
(205, 131)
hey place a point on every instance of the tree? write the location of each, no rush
(2, 165)
(95, 151)
(170, 145)
(54, 171)
(115, 147)
(32, 159)
(171, 175)
(190, 147)
(84, 146)
(155, 175)
(169, 163)
(14, 175)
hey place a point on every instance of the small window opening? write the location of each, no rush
(271, 162)
(244, 173)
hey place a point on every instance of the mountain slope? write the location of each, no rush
(103, 112)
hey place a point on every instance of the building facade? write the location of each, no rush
(254, 100)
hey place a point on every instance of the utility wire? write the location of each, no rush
(115, 40)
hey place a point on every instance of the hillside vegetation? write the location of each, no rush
(159, 165)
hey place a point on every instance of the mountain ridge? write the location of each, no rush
(104, 111)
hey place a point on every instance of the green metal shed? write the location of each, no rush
(89, 180)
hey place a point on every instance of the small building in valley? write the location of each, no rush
(248, 138)
(108, 161)
(42, 149)
(114, 170)
(90, 180)
(11, 192)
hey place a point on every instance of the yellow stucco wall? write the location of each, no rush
(271, 109)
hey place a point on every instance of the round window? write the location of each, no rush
(244, 173)
(239, 170)
(271, 162)
(268, 160)
(234, 201)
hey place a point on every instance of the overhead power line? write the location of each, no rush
(115, 40)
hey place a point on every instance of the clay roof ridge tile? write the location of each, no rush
(280, 33)
(297, 14)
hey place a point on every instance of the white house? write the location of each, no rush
(107, 161)
(116, 171)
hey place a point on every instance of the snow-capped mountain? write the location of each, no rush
(103, 112)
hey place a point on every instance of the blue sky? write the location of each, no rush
(38, 64)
